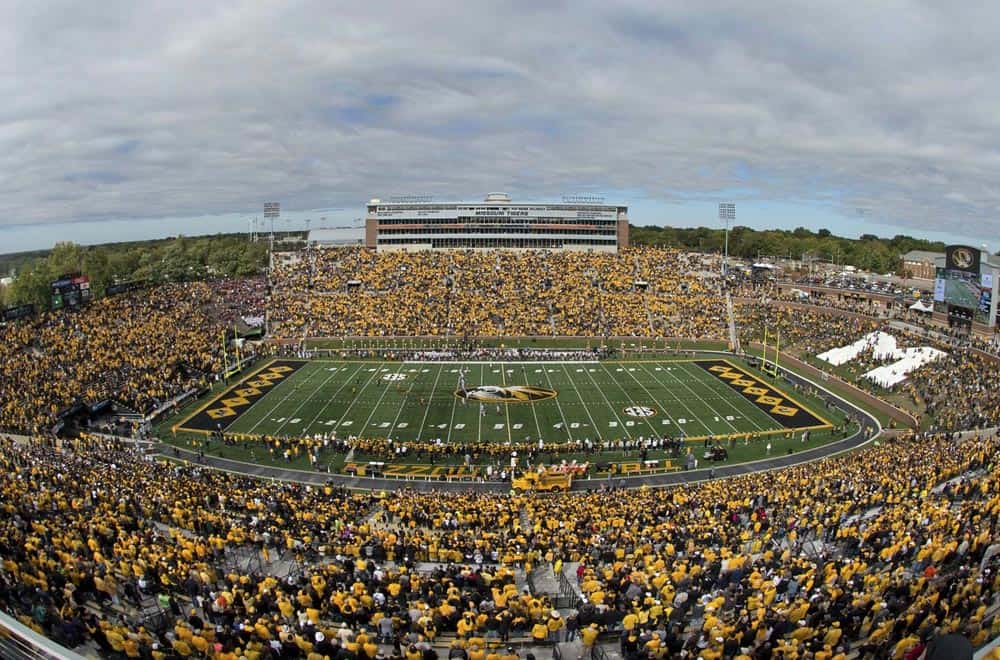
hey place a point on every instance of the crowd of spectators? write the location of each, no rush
(876, 551)
(358, 292)
(238, 299)
(811, 331)
(493, 458)
(957, 392)
(139, 349)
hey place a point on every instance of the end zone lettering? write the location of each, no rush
(224, 409)
(778, 405)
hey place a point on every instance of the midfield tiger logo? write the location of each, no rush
(508, 394)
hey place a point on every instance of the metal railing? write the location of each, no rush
(19, 642)
(568, 595)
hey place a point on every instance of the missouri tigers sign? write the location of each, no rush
(224, 409)
(508, 394)
(779, 406)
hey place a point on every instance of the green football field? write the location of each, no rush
(501, 402)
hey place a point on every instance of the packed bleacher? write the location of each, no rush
(811, 331)
(869, 554)
(140, 349)
(957, 393)
(357, 292)
(865, 555)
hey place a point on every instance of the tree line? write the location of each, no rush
(869, 252)
(232, 255)
(167, 260)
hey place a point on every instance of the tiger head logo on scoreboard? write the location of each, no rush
(961, 257)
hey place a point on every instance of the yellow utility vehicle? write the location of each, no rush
(548, 481)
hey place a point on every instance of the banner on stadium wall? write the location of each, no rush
(473, 214)
(939, 286)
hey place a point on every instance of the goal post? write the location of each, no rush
(770, 367)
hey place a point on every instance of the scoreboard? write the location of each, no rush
(18, 312)
(70, 290)
(964, 287)
(124, 287)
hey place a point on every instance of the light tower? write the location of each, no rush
(272, 210)
(727, 212)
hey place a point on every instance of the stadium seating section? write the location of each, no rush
(105, 549)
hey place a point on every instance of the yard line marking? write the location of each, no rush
(285, 398)
(701, 400)
(451, 423)
(710, 406)
(614, 411)
(583, 403)
(488, 362)
(333, 397)
(506, 407)
(534, 411)
(692, 417)
(479, 434)
(558, 407)
(430, 398)
(357, 396)
(673, 420)
(301, 405)
(645, 419)
(379, 402)
(402, 405)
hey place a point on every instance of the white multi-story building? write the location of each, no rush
(496, 223)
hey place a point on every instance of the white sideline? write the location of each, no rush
(498, 361)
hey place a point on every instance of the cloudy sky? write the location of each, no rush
(852, 116)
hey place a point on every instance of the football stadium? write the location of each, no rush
(430, 331)
(598, 453)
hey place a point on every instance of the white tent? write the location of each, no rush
(922, 306)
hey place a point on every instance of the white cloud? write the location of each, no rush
(125, 110)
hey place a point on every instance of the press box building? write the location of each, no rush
(496, 223)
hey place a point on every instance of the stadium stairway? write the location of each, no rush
(525, 519)
(569, 572)
(543, 581)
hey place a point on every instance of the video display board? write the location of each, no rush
(961, 287)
